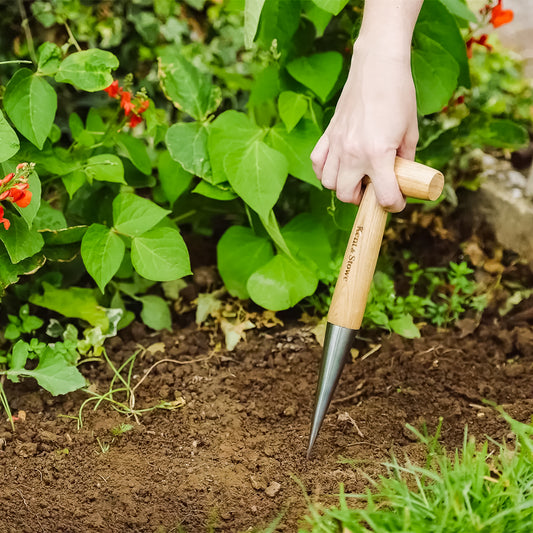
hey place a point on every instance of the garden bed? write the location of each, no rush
(229, 458)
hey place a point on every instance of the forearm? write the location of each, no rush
(375, 118)
(388, 25)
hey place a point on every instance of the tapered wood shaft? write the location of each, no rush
(351, 292)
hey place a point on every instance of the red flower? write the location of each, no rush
(23, 199)
(126, 103)
(7, 179)
(482, 40)
(500, 16)
(133, 106)
(20, 195)
(3, 220)
(143, 106)
(113, 90)
(18, 189)
(135, 120)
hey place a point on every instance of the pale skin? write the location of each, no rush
(375, 119)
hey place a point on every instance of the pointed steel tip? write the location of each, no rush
(337, 344)
(312, 439)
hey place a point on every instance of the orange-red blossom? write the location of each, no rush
(133, 107)
(15, 188)
(482, 40)
(500, 16)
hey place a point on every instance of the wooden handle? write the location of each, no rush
(417, 180)
(351, 292)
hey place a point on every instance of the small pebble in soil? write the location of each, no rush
(258, 482)
(291, 410)
(514, 370)
(273, 489)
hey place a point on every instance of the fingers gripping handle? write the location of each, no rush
(351, 292)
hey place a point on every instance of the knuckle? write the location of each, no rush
(368, 151)
(344, 195)
(353, 149)
(376, 152)
(387, 201)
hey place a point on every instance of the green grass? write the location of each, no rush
(475, 490)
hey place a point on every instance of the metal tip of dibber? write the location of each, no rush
(337, 344)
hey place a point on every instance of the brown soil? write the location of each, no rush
(229, 458)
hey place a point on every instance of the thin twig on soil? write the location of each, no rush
(133, 389)
(29, 510)
(358, 392)
(366, 443)
(428, 350)
(372, 351)
(345, 417)
(346, 398)
(22, 496)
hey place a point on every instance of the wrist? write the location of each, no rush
(382, 49)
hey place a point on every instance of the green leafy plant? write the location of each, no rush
(462, 294)
(250, 153)
(116, 432)
(24, 323)
(53, 372)
(438, 295)
(303, 81)
(211, 136)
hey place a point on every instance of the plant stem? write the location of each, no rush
(16, 61)
(27, 31)
(5, 403)
(184, 216)
(72, 39)
(271, 225)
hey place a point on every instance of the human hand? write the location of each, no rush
(375, 120)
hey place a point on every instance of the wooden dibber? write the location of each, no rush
(351, 292)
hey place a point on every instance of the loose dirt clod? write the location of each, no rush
(273, 489)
